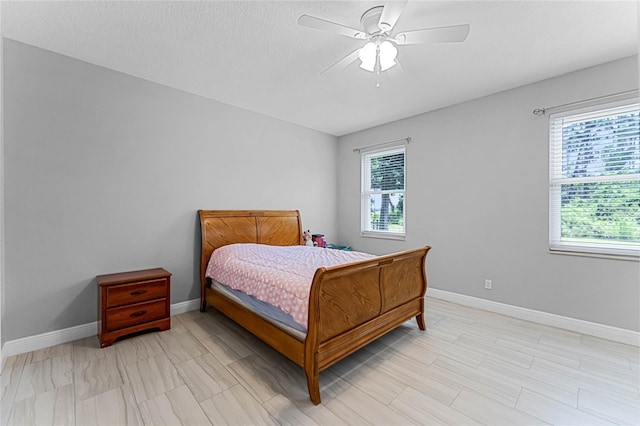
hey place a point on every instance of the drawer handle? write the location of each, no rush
(138, 314)
(138, 293)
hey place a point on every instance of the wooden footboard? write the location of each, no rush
(349, 305)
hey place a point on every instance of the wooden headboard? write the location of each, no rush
(222, 227)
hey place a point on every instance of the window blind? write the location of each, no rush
(594, 179)
(383, 175)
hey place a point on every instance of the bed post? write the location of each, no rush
(311, 369)
(313, 383)
(420, 317)
(205, 252)
(203, 302)
(420, 320)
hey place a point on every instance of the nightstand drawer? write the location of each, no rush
(139, 313)
(128, 294)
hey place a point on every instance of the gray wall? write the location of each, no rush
(104, 172)
(477, 192)
(1, 188)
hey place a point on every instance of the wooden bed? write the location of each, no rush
(349, 305)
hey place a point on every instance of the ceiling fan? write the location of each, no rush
(380, 51)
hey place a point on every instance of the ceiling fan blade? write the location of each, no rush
(321, 24)
(390, 14)
(342, 63)
(454, 33)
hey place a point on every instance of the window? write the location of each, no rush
(594, 180)
(383, 193)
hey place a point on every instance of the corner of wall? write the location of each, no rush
(1, 188)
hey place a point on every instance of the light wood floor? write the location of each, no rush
(469, 367)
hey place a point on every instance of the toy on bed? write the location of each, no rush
(306, 236)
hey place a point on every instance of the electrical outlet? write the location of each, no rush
(488, 284)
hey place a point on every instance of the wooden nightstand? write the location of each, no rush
(133, 301)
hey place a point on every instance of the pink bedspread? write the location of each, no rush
(277, 275)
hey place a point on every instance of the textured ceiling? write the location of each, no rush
(255, 56)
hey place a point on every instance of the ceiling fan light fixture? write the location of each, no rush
(367, 56)
(388, 54)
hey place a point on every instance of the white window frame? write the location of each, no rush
(366, 192)
(556, 242)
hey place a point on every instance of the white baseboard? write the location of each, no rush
(187, 306)
(52, 338)
(45, 340)
(603, 331)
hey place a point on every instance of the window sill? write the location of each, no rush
(383, 235)
(567, 252)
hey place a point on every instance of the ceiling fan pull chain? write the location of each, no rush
(378, 67)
